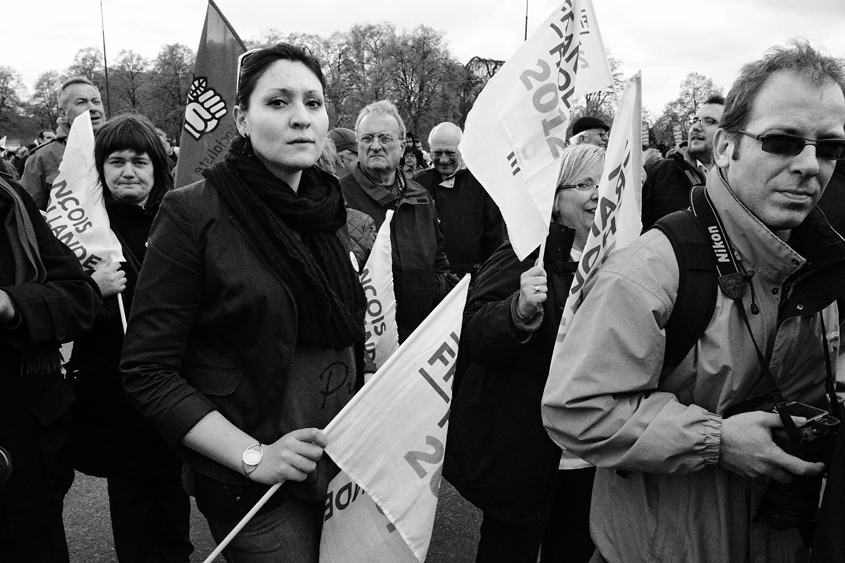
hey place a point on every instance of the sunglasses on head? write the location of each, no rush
(792, 145)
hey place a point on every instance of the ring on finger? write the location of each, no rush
(536, 289)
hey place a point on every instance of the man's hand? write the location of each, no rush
(110, 279)
(7, 308)
(748, 449)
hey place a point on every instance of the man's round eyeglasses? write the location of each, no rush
(792, 145)
(384, 140)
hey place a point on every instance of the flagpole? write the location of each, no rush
(526, 20)
(261, 502)
(105, 62)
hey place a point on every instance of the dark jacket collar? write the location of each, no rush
(414, 193)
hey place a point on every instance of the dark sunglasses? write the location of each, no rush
(792, 145)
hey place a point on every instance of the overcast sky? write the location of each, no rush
(666, 39)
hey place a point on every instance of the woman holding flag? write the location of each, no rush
(150, 511)
(498, 454)
(246, 336)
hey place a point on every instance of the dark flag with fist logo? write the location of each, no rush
(209, 127)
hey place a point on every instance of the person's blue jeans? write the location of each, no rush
(289, 533)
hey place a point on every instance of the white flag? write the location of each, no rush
(76, 213)
(377, 279)
(356, 530)
(390, 438)
(516, 129)
(618, 214)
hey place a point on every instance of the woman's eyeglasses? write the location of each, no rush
(792, 145)
(582, 187)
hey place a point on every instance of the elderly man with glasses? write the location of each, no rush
(669, 181)
(699, 459)
(421, 272)
(471, 221)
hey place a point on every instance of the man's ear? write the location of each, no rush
(723, 147)
(240, 120)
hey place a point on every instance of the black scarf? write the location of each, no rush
(315, 266)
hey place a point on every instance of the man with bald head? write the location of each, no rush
(76, 96)
(471, 222)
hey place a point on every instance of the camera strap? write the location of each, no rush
(733, 281)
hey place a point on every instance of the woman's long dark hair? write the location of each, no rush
(135, 133)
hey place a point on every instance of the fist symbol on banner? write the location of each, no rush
(204, 110)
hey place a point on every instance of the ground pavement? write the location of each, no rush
(90, 540)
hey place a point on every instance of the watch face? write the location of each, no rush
(252, 457)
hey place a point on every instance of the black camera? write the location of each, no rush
(796, 504)
(793, 504)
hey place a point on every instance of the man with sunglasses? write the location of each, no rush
(669, 181)
(421, 272)
(679, 479)
(471, 222)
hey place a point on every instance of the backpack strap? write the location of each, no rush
(697, 281)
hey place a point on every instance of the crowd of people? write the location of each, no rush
(690, 414)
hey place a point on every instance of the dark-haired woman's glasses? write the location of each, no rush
(792, 145)
(240, 64)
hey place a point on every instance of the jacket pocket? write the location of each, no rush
(217, 382)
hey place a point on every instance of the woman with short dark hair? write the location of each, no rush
(247, 333)
(150, 511)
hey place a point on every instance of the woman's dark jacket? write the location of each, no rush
(35, 422)
(213, 328)
(498, 454)
(110, 437)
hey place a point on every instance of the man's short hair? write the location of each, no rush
(70, 82)
(42, 133)
(714, 99)
(382, 107)
(799, 58)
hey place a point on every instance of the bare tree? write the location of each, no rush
(88, 62)
(695, 89)
(130, 78)
(171, 74)
(45, 99)
(12, 92)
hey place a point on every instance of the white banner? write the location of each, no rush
(356, 530)
(76, 213)
(517, 126)
(618, 215)
(377, 279)
(390, 439)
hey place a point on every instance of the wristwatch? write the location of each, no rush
(251, 458)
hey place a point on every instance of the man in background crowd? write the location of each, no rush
(421, 277)
(472, 224)
(347, 151)
(668, 181)
(76, 96)
(589, 130)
